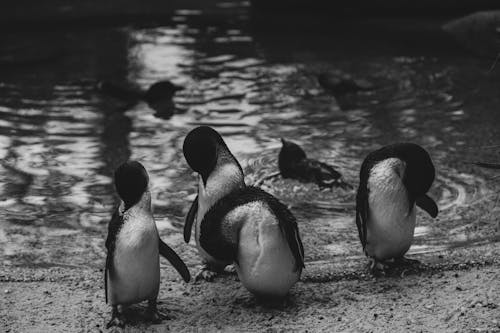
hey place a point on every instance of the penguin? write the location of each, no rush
(160, 91)
(132, 272)
(343, 87)
(219, 174)
(339, 84)
(240, 224)
(159, 96)
(393, 180)
(293, 163)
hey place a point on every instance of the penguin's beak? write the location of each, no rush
(428, 204)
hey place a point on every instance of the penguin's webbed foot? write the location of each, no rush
(209, 271)
(154, 315)
(231, 269)
(206, 274)
(117, 319)
(378, 268)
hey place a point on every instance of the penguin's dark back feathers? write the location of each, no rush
(212, 234)
(321, 173)
(362, 210)
(114, 226)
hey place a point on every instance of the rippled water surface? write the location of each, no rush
(60, 139)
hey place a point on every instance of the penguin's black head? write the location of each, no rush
(162, 90)
(290, 154)
(419, 174)
(131, 181)
(201, 149)
(291, 151)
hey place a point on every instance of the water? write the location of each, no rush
(60, 139)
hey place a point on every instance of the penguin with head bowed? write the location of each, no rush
(132, 272)
(293, 163)
(393, 180)
(219, 174)
(240, 224)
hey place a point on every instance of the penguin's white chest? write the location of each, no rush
(266, 265)
(391, 222)
(136, 266)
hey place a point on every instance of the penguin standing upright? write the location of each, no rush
(393, 180)
(240, 224)
(132, 272)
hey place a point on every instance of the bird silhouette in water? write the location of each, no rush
(339, 84)
(343, 87)
(159, 96)
(293, 163)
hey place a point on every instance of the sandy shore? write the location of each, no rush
(447, 293)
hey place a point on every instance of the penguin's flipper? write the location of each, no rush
(114, 226)
(168, 253)
(362, 216)
(428, 204)
(288, 225)
(293, 238)
(190, 217)
(327, 171)
(106, 278)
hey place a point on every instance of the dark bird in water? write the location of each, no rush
(339, 84)
(132, 272)
(240, 224)
(159, 96)
(392, 181)
(293, 163)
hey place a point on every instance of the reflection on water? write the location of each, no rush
(60, 139)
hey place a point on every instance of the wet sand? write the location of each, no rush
(454, 291)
